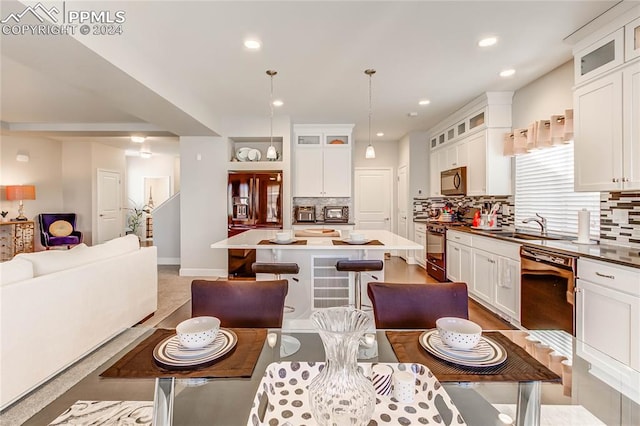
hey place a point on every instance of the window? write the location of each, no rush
(544, 185)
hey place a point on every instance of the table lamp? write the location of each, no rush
(21, 192)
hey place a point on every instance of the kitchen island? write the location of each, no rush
(319, 285)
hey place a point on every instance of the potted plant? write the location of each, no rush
(134, 219)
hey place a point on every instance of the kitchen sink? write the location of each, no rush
(527, 236)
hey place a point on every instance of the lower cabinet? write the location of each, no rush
(491, 269)
(608, 323)
(608, 310)
(420, 237)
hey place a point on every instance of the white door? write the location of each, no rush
(373, 188)
(403, 221)
(109, 203)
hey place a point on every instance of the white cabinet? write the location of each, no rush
(420, 237)
(491, 269)
(607, 132)
(477, 143)
(459, 260)
(606, 106)
(484, 274)
(322, 166)
(608, 311)
(632, 40)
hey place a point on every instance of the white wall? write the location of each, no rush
(166, 231)
(139, 168)
(203, 205)
(549, 95)
(76, 185)
(42, 170)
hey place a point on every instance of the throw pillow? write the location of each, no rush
(60, 228)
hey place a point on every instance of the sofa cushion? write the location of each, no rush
(50, 261)
(15, 270)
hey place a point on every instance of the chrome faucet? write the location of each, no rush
(540, 221)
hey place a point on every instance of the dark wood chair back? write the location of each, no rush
(399, 305)
(240, 304)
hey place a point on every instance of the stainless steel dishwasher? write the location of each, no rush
(547, 290)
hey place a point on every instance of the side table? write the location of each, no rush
(16, 237)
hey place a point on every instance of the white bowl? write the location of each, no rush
(356, 237)
(458, 333)
(282, 236)
(198, 332)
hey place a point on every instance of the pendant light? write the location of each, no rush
(370, 152)
(272, 155)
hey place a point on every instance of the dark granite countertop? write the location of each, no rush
(622, 255)
(322, 223)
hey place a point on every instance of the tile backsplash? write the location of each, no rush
(619, 214)
(320, 203)
(422, 205)
(620, 218)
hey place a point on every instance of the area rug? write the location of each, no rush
(107, 413)
(557, 415)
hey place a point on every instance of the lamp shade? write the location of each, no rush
(21, 192)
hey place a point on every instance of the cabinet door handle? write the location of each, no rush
(611, 277)
(624, 179)
(491, 261)
(456, 249)
(615, 180)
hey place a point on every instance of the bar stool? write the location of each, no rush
(277, 269)
(359, 266)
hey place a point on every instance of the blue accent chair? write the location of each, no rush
(48, 240)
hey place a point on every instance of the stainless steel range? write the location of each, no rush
(436, 248)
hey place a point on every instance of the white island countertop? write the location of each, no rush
(251, 239)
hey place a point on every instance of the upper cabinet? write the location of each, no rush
(607, 106)
(476, 142)
(322, 160)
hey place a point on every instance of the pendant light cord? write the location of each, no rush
(370, 108)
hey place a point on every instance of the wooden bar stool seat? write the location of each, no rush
(359, 266)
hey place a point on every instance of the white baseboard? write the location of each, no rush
(203, 272)
(168, 261)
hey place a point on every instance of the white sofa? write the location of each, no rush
(59, 305)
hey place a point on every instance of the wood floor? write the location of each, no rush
(397, 271)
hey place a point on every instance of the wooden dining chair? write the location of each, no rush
(240, 304)
(399, 305)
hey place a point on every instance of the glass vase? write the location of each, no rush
(341, 394)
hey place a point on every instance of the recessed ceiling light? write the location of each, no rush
(379, 134)
(278, 102)
(507, 73)
(486, 42)
(138, 139)
(252, 44)
(412, 114)
(424, 102)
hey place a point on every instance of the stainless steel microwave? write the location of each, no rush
(454, 181)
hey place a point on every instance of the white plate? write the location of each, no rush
(277, 241)
(482, 351)
(165, 360)
(176, 351)
(498, 357)
(349, 241)
(289, 345)
(242, 153)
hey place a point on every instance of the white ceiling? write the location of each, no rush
(190, 54)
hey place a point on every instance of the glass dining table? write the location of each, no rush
(603, 391)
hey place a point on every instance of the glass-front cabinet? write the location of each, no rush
(632, 40)
(600, 57)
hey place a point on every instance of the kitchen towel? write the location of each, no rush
(583, 226)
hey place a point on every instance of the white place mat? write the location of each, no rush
(107, 413)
